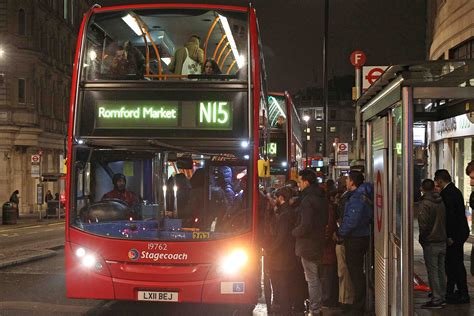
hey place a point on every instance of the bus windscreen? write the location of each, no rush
(160, 195)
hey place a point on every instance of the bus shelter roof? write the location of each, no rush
(441, 89)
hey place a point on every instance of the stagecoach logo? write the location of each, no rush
(133, 254)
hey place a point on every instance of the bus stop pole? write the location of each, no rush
(407, 203)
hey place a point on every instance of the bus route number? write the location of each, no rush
(156, 246)
(201, 235)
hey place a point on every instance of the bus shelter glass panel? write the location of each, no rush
(160, 195)
(166, 44)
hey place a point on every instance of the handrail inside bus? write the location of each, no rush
(144, 29)
(225, 57)
(222, 52)
(231, 66)
(211, 29)
(218, 46)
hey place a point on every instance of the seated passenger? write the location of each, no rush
(128, 61)
(188, 60)
(211, 68)
(121, 193)
(280, 122)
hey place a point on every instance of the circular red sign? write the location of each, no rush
(35, 158)
(379, 200)
(374, 74)
(342, 147)
(358, 58)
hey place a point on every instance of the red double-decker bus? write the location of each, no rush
(285, 144)
(162, 155)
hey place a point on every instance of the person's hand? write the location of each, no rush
(450, 241)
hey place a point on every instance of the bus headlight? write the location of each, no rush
(234, 262)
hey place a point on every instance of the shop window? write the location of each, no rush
(21, 91)
(21, 22)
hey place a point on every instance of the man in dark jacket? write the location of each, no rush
(457, 231)
(470, 174)
(282, 250)
(432, 223)
(355, 231)
(310, 233)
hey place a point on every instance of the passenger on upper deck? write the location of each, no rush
(211, 67)
(188, 59)
(128, 63)
(121, 193)
(280, 122)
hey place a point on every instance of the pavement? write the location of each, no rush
(46, 246)
(30, 239)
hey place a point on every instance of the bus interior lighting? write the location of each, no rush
(244, 144)
(230, 38)
(246, 157)
(92, 55)
(284, 164)
(132, 23)
(234, 262)
(166, 60)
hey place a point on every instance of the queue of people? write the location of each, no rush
(304, 233)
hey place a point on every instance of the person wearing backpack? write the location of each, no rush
(188, 60)
(355, 232)
(310, 234)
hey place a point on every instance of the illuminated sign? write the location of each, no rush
(214, 114)
(163, 115)
(272, 149)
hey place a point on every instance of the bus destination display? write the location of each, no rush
(213, 115)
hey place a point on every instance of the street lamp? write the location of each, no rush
(306, 119)
(1, 52)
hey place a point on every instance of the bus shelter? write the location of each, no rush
(404, 98)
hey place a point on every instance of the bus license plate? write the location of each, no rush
(158, 296)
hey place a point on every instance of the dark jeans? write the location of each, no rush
(356, 248)
(330, 284)
(281, 281)
(455, 270)
(435, 257)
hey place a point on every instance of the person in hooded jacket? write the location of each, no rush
(120, 192)
(188, 59)
(470, 174)
(432, 223)
(355, 231)
(310, 233)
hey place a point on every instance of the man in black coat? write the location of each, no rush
(457, 231)
(310, 233)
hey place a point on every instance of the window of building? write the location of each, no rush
(319, 114)
(332, 114)
(21, 22)
(21, 90)
(465, 50)
(332, 129)
(319, 129)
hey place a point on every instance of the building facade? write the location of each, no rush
(37, 43)
(451, 141)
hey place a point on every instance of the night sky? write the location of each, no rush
(388, 31)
